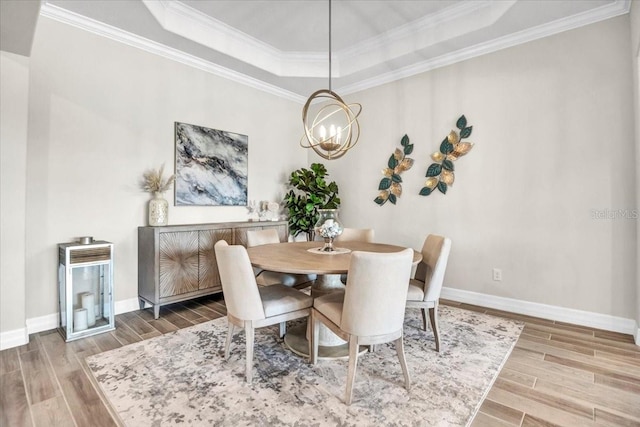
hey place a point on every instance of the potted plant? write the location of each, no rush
(309, 191)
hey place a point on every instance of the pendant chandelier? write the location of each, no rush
(330, 125)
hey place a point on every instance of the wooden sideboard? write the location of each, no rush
(177, 262)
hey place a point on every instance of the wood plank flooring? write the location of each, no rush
(558, 374)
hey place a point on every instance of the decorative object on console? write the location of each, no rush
(331, 126)
(328, 227)
(309, 191)
(154, 182)
(274, 211)
(252, 211)
(440, 174)
(211, 166)
(390, 186)
(85, 289)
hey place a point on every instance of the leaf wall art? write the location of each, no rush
(440, 174)
(390, 187)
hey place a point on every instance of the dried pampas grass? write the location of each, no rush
(153, 182)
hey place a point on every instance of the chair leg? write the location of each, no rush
(353, 365)
(424, 318)
(433, 316)
(283, 329)
(403, 362)
(227, 345)
(248, 330)
(313, 338)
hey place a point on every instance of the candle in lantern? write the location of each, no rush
(79, 319)
(88, 303)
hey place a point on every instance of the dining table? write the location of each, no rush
(309, 258)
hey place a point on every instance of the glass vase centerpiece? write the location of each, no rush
(328, 227)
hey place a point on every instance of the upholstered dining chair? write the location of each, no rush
(356, 234)
(424, 290)
(370, 311)
(264, 277)
(250, 306)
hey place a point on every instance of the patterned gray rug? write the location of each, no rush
(182, 378)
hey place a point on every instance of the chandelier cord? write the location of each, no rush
(329, 45)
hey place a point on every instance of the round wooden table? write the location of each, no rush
(303, 258)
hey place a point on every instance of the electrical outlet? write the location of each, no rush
(497, 275)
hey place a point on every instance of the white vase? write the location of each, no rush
(158, 211)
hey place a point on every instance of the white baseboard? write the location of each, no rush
(13, 338)
(551, 312)
(34, 325)
(127, 305)
(42, 323)
(19, 337)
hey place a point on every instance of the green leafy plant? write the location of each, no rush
(440, 174)
(309, 192)
(390, 187)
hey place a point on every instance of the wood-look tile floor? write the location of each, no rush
(557, 375)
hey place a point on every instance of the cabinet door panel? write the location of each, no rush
(178, 263)
(209, 276)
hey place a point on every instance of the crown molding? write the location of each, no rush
(617, 8)
(450, 23)
(104, 30)
(185, 21)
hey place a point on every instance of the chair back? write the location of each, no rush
(262, 237)
(239, 287)
(356, 235)
(376, 292)
(435, 255)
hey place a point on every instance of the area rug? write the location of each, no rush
(182, 378)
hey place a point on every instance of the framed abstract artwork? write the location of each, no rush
(211, 167)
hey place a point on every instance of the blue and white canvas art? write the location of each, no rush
(211, 166)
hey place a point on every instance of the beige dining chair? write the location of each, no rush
(250, 306)
(265, 277)
(370, 311)
(356, 234)
(424, 290)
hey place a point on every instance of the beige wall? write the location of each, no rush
(14, 87)
(553, 128)
(101, 113)
(635, 57)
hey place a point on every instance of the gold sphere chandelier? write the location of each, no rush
(331, 126)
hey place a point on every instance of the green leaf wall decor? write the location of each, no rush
(390, 187)
(440, 174)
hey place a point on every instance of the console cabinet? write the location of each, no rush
(177, 262)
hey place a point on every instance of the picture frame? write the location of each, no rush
(211, 166)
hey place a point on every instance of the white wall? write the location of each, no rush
(635, 57)
(101, 113)
(553, 128)
(14, 86)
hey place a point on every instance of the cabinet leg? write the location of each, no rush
(156, 311)
(141, 301)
